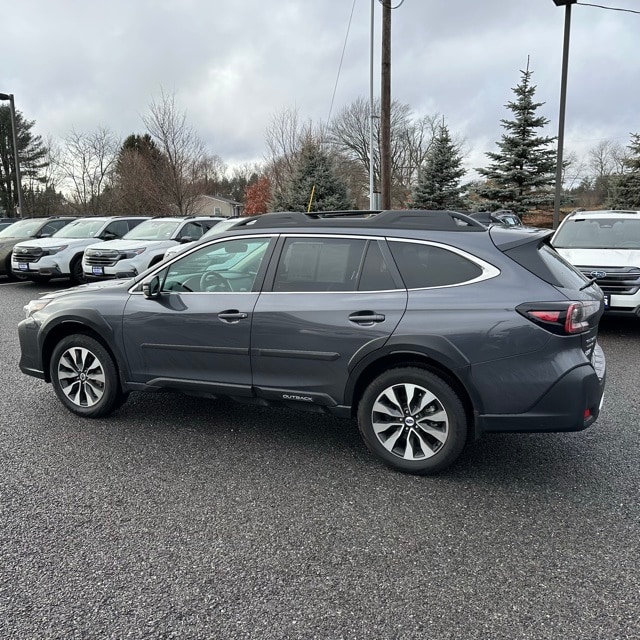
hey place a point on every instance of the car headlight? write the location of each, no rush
(51, 250)
(34, 306)
(132, 253)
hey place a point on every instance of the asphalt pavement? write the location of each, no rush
(180, 517)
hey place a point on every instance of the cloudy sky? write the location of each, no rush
(234, 64)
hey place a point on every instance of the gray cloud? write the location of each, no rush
(233, 65)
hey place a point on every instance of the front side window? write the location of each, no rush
(192, 230)
(227, 266)
(319, 264)
(118, 228)
(424, 265)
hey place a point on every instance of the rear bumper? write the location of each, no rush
(571, 404)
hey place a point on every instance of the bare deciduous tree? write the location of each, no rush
(85, 165)
(411, 139)
(184, 152)
(285, 137)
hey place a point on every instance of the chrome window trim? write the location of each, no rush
(488, 270)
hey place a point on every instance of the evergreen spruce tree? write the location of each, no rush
(626, 187)
(314, 168)
(31, 151)
(521, 175)
(439, 177)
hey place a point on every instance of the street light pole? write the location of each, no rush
(563, 103)
(372, 203)
(385, 107)
(9, 97)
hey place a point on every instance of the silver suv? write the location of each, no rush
(60, 256)
(143, 247)
(427, 327)
(605, 247)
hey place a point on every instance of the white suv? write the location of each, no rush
(605, 246)
(60, 256)
(143, 247)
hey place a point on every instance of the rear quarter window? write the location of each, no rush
(564, 274)
(423, 265)
(545, 262)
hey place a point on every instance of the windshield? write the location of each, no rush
(599, 233)
(157, 229)
(22, 229)
(81, 229)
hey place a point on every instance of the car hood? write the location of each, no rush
(127, 245)
(88, 288)
(45, 243)
(601, 257)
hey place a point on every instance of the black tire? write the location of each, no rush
(85, 377)
(393, 418)
(77, 274)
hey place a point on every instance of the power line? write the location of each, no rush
(599, 6)
(344, 47)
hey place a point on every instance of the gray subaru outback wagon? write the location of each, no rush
(425, 326)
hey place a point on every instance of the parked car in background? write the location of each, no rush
(5, 222)
(605, 247)
(505, 217)
(143, 247)
(61, 255)
(224, 225)
(426, 326)
(23, 229)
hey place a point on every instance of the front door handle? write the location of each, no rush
(232, 315)
(366, 317)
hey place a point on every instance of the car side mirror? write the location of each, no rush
(151, 288)
(186, 239)
(44, 235)
(108, 235)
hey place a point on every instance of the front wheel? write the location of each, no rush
(85, 377)
(77, 273)
(413, 420)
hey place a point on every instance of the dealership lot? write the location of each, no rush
(181, 517)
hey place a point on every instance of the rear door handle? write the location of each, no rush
(232, 315)
(366, 317)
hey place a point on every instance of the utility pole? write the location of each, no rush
(385, 107)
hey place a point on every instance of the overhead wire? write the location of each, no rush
(600, 6)
(335, 87)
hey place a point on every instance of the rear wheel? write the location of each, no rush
(413, 420)
(85, 377)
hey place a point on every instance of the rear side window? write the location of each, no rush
(319, 264)
(423, 265)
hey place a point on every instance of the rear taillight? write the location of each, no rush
(563, 318)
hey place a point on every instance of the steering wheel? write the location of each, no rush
(213, 281)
